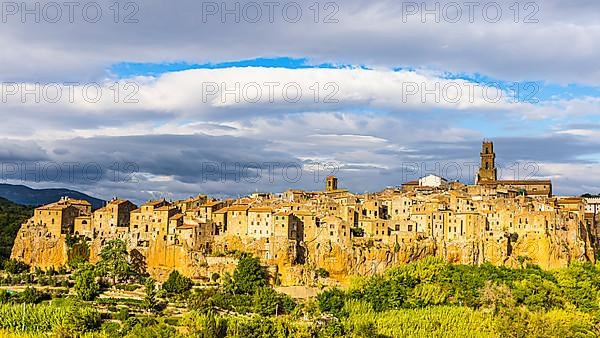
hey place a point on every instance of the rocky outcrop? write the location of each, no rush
(292, 263)
(35, 246)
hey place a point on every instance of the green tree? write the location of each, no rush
(177, 283)
(266, 301)
(138, 263)
(150, 302)
(331, 301)
(114, 260)
(86, 286)
(248, 275)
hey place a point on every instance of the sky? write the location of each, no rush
(151, 99)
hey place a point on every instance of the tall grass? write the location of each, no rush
(435, 321)
(42, 318)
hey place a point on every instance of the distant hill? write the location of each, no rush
(11, 217)
(21, 194)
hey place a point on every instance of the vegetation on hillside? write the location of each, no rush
(11, 217)
(427, 298)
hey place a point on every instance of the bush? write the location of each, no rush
(256, 327)
(331, 301)
(31, 296)
(128, 287)
(14, 266)
(4, 296)
(86, 286)
(152, 331)
(177, 283)
(205, 325)
(123, 314)
(238, 303)
(201, 300)
(268, 302)
(248, 275)
(322, 273)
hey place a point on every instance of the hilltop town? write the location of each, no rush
(300, 235)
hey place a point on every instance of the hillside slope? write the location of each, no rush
(23, 195)
(12, 215)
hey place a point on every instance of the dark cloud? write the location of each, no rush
(367, 33)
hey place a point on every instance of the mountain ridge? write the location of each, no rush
(25, 195)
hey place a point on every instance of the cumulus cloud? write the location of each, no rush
(152, 136)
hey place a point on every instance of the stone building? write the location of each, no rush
(494, 221)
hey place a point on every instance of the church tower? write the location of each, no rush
(331, 183)
(487, 171)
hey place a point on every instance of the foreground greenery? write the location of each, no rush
(428, 298)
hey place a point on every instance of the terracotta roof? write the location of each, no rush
(54, 206)
(304, 213)
(211, 204)
(81, 202)
(118, 201)
(178, 216)
(221, 211)
(165, 208)
(261, 209)
(187, 226)
(153, 203)
(517, 182)
(570, 199)
(239, 207)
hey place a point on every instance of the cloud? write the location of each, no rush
(366, 33)
(369, 124)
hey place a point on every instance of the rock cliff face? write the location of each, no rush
(35, 246)
(292, 263)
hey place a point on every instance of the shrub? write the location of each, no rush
(30, 296)
(152, 331)
(248, 275)
(177, 283)
(128, 287)
(201, 299)
(205, 325)
(86, 286)
(4, 296)
(239, 303)
(322, 273)
(123, 314)
(14, 266)
(266, 301)
(331, 301)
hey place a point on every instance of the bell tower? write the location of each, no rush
(331, 183)
(487, 171)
